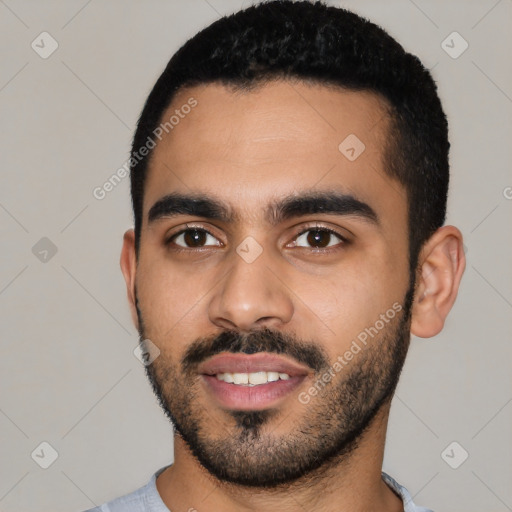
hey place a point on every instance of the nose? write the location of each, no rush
(250, 296)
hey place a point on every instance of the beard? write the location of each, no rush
(246, 450)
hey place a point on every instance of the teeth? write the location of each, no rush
(258, 378)
(228, 377)
(273, 376)
(241, 378)
(252, 379)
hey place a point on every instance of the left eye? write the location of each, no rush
(318, 238)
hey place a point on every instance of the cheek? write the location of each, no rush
(168, 299)
(350, 297)
(342, 307)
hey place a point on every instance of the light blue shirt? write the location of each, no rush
(147, 499)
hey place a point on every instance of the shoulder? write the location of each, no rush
(403, 493)
(132, 502)
(144, 499)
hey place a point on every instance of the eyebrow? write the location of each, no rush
(324, 202)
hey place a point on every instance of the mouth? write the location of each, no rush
(253, 378)
(252, 382)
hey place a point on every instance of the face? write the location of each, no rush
(296, 248)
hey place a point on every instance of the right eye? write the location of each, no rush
(191, 238)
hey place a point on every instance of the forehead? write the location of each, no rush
(245, 147)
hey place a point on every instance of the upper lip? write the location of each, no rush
(262, 362)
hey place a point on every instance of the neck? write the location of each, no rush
(352, 484)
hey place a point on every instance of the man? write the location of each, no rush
(289, 179)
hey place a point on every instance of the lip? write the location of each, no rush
(242, 363)
(262, 396)
(253, 398)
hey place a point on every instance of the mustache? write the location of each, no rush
(262, 340)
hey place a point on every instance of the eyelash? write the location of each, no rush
(344, 240)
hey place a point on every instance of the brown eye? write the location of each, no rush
(193, 238)
(318, 238)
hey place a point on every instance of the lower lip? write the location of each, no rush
(233, 396)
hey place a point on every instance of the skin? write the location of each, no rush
(247, 149)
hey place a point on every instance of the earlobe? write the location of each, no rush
(440, 268)
(128, 263)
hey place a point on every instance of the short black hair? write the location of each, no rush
(314, 42)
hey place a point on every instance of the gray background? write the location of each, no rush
(68, 375)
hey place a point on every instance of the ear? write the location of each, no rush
(441, 264)
(128, 264)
